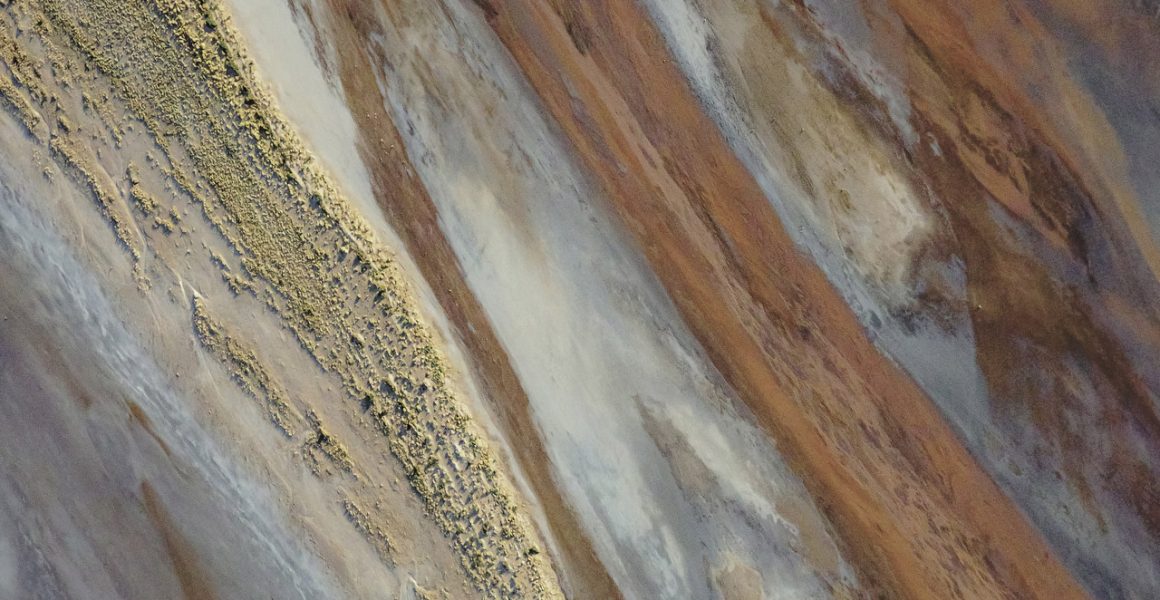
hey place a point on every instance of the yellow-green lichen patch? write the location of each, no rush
(368, 526)
(144, 201)
(321, 444)
(244, 367)
(20, 106)
(70, 159)
(100, 105)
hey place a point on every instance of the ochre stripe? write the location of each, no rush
(405, 202)
(917, 514)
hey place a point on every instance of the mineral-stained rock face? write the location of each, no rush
(727, 299)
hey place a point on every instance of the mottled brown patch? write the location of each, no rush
(1037, 319)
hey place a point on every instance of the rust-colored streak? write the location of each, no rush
(195, 583)
(918, 516)
(404, 200)
(139, 417)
